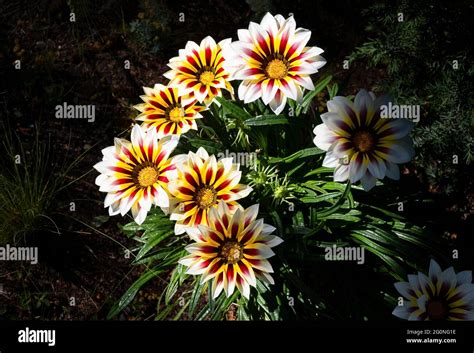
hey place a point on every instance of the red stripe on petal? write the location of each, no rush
(224, 197)
(205, 263)
(165, 97)
(160, 157)
(208, 176)
(251, 252)
(186, 191)
(247, 237)
(225, 220)
(120, 170)
(214, 237)
(207, 249)
(283, 42)
(235, 229)
(292, 50)
(223, 185)
(196, 55)
(129, 155)
(230, 273)
(193, 62)
(150, 151)
(186, 70)
(219, 173)
(215, 267)
(192, 84)
(243, 268)
(121, 181)
(196, 169)
(188, 207)
(218, 227)
(198, 217)
(187, 220)
(170, 167)
(189, 178)
(208, 55)
(163, 179)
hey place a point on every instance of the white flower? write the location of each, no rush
(273, 61)
(135, 174)
(361, 145)
(442, 295)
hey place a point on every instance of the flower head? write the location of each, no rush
(201, 183)
(273, 61)
(199, 70)
(442, 295)
(168, 111)
(135, 174)
(361, 144)
(232, 250)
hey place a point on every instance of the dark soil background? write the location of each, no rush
(83, 62)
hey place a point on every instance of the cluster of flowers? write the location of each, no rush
(199, 192)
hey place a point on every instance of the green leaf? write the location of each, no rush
(332, 90)
(263, 120)
(210, 146)
(162, 314)
(319, 198)
(152, 241)
(330, 210)
(233, 109)
(180, 313)
(195, 296)
(131, 292)
(178, 276)
(304, 153)
(223, 304)
(320, 170)
(310, 96)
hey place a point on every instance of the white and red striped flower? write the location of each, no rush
(273, 61)
(135, 174)
(199, 70)
(168, 110)
(201, 183)
(442, 295)
(360, 144)
(232, 250)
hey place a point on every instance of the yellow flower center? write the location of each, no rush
(231, 252)
(176, 114)
(276, 69)
(207, 77)
(206, 197)
(363, 141)
(437, 310)
(147, 176)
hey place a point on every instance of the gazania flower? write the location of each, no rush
(361, 145)
(135, 174)
(442, 295)
(273, 61)
(232, 250)
(168, 111)
(199, 70)
(201, 183)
